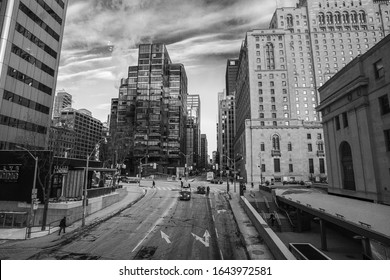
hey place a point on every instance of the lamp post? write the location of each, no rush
(86, 183)
(33, 192)
(234, 171)
(140, 169)
(261, 170)
(186, 167)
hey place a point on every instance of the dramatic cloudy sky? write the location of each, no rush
(101, 39)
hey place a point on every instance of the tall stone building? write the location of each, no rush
(280, 70)
(30, 45)
(355, 105)
(149, 115)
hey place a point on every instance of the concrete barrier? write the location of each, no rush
(277, 247)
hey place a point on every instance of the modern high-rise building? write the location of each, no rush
(193, 130)
(203, 162)
(226, 116)
(280, 70)
(30, 45)
(62, 100)
(151, 112)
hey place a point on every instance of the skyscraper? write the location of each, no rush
(151, 112)
(280, 70)
(193, 130)
(203, 162)
(31, 37)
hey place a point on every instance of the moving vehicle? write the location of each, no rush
(210, 176)
(201, 190)
(185, 194)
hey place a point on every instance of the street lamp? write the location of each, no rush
(33, 192)
(140, 169)
(186, 156)
(261, 170)
(86, 182)
(234, 170)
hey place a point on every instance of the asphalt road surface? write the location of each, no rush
(161, 227)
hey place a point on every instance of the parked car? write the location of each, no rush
(201, 190)
(184, 195)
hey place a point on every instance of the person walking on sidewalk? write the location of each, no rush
(272, 218)
(62, 225)
(153, 184)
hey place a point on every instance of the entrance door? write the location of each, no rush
(347, 167)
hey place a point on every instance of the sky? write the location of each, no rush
(101, 41)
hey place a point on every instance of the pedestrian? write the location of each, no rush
(252, 185)
(272, 218)
(208, 190)
(181, 183)
(153, 184)
(62, 225)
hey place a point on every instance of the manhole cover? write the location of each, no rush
(258, 252)
(146, 253)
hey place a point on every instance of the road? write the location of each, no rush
(161, 227)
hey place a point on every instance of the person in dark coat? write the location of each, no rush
(208, 190)
(272, 218)
(154, 184)
(62, 225)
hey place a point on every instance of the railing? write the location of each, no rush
(278, 220)
(320, 153)
(286, 213)
(275, 153)
(95, 192)
(50, 225)
(266, 202)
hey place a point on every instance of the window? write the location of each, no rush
(320, 146)
(269, 55)
(275, 143)
(309, 147)
(337, 121)
(378, 69)
(276, 165)
(263, 167)
(319, 136)
(387, 139)
(384, 104)
(290, 168)
(311, 166)
(262, 147)
(322, 165)
(289, 146)
(345, 119)
(308, 136)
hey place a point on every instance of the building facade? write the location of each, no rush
(151, 112)
(355, 106)
(193, 130)
(62, 100)
(31, 38)
(282, 67)
(80, 129)
(203, 162)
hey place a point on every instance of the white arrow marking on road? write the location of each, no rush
(219, 211)
(166, 237)
(206, 236)
(204, 242)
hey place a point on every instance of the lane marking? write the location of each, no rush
(155, 224)
(216, 232)
(220, 252)
(213, 218)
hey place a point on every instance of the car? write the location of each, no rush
(184, 195)
(201, 190)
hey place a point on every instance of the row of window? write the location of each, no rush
(26, 33)
(277, 168)
(13, 122)
(28, 80)
(13, 97)
(342, 17)
(344, 117)
(38, 21)
(344, 4)
(29, 58)
(272, 91)
(49, 11)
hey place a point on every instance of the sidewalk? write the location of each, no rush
(250, 237)
(23, 249)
